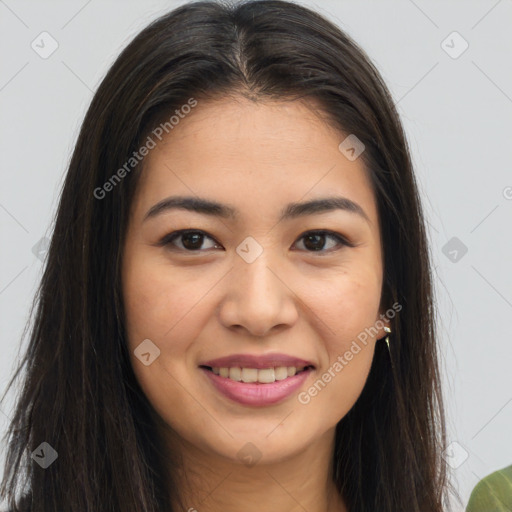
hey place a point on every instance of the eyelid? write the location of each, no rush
(342, 240)
(327, 232)
(170, 237)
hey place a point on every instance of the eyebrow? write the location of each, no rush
(291, 211)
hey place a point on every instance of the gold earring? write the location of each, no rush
(388, 330)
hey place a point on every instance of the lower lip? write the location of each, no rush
(254, 393)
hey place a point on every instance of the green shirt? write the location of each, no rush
(493, 493)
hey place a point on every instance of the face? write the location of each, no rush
(272, 291)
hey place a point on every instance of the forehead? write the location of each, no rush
(254, 156)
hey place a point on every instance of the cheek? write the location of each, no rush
(346, 308)
(345, 304)
(159, 302)
(348, 351)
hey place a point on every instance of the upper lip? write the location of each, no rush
(254, 361)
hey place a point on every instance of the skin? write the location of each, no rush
(206, 303)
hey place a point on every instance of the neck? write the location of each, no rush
(211, 483)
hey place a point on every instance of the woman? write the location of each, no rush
(237, 308)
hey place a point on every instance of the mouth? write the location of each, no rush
(256, 387)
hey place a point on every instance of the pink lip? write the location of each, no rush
(260, 362)
(255, 393)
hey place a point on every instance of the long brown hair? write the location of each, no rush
(79, 393)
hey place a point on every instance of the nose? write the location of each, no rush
(258, 299)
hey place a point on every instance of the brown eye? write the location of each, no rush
(315, 241)
(190, 240)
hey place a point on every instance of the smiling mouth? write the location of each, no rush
(257, 375)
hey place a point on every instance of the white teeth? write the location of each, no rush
(249, 375)
(281, 372)
(264, 375)
(235, 374)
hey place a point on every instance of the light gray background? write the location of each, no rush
(457, 114)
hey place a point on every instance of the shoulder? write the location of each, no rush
(493, 493)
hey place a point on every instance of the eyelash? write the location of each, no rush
(169, 239)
